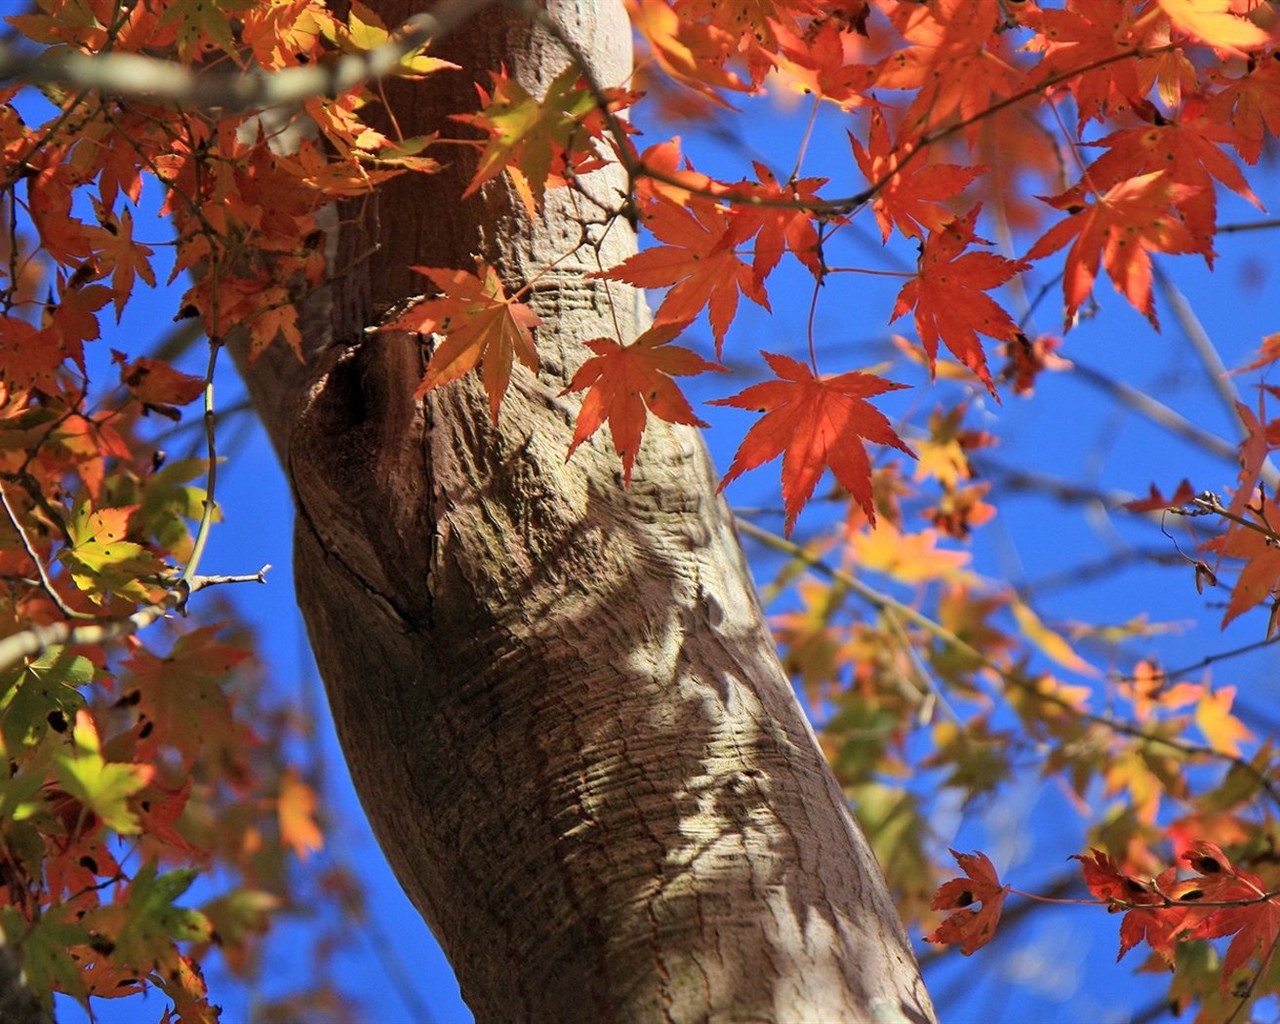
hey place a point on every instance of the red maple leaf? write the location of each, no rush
(813, 422)
(481, 325)
(1132, 219)
(699, 260)
(1255, 923)
(909, 198)
(1084, 33)
(952, 61)
(1189, 150)
(780, 227)
(1159, 925)
(971, 926)
(950, 300)
(625, 380)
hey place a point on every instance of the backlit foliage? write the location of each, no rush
(1088, 137)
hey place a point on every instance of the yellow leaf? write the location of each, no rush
(1220, 727)
(1050, 643)
(297, 807)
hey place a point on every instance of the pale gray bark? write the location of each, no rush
(559, 699)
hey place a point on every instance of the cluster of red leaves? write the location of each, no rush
(149, 748)
(1150, 190)
(1217, 900)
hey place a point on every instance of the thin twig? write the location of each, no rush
(1157, 412)
(1219, 377)
(32, 642)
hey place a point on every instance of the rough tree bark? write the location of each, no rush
(559, 699)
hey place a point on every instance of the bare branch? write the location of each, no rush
(134, 76)
(34, 641)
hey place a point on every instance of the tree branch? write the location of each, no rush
(34, 641)
(134, 76)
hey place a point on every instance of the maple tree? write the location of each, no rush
(364, 205)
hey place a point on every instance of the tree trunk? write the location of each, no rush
(558, 697)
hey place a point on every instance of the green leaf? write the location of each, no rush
(43, 695)
(99, 558)
(103, 788)
(46, 958)
(151, 924)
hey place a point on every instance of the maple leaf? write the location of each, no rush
(1221, 728)
(180, 698)
(1188, 149)
(296, 807)
(1157, 502)
(779, 227)
(971, 926)
(74, 320)
(1255, 923)
(1084, 33)
(366, 31)
(122, 257)
(144, 921)
(102, 787)
(815, 63)
(1251, 104)
(691, 52)
(1132, 219)
(1212, 22)
(909, 199)
(202, 24)
(948, 294)
(625, 380)
(101, 560)
(951, 61)
(481, 325)
(699, 261)
(28, 357)
(535, 138)
(813, 422)
(1261, 573)
(156, 384)
(1158, 925)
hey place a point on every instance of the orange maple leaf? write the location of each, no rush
(1260, 576)
(971, 926)
(689, 51)
(481, 325)
(909, 198)
(1132, 219)
(122, 256)
(948, 293)
(1085, 33)
(700, 262)
(1251, 105)
(1188, 148)
(952, 61)
(296, 808)
(625, 380)
(813, 422)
